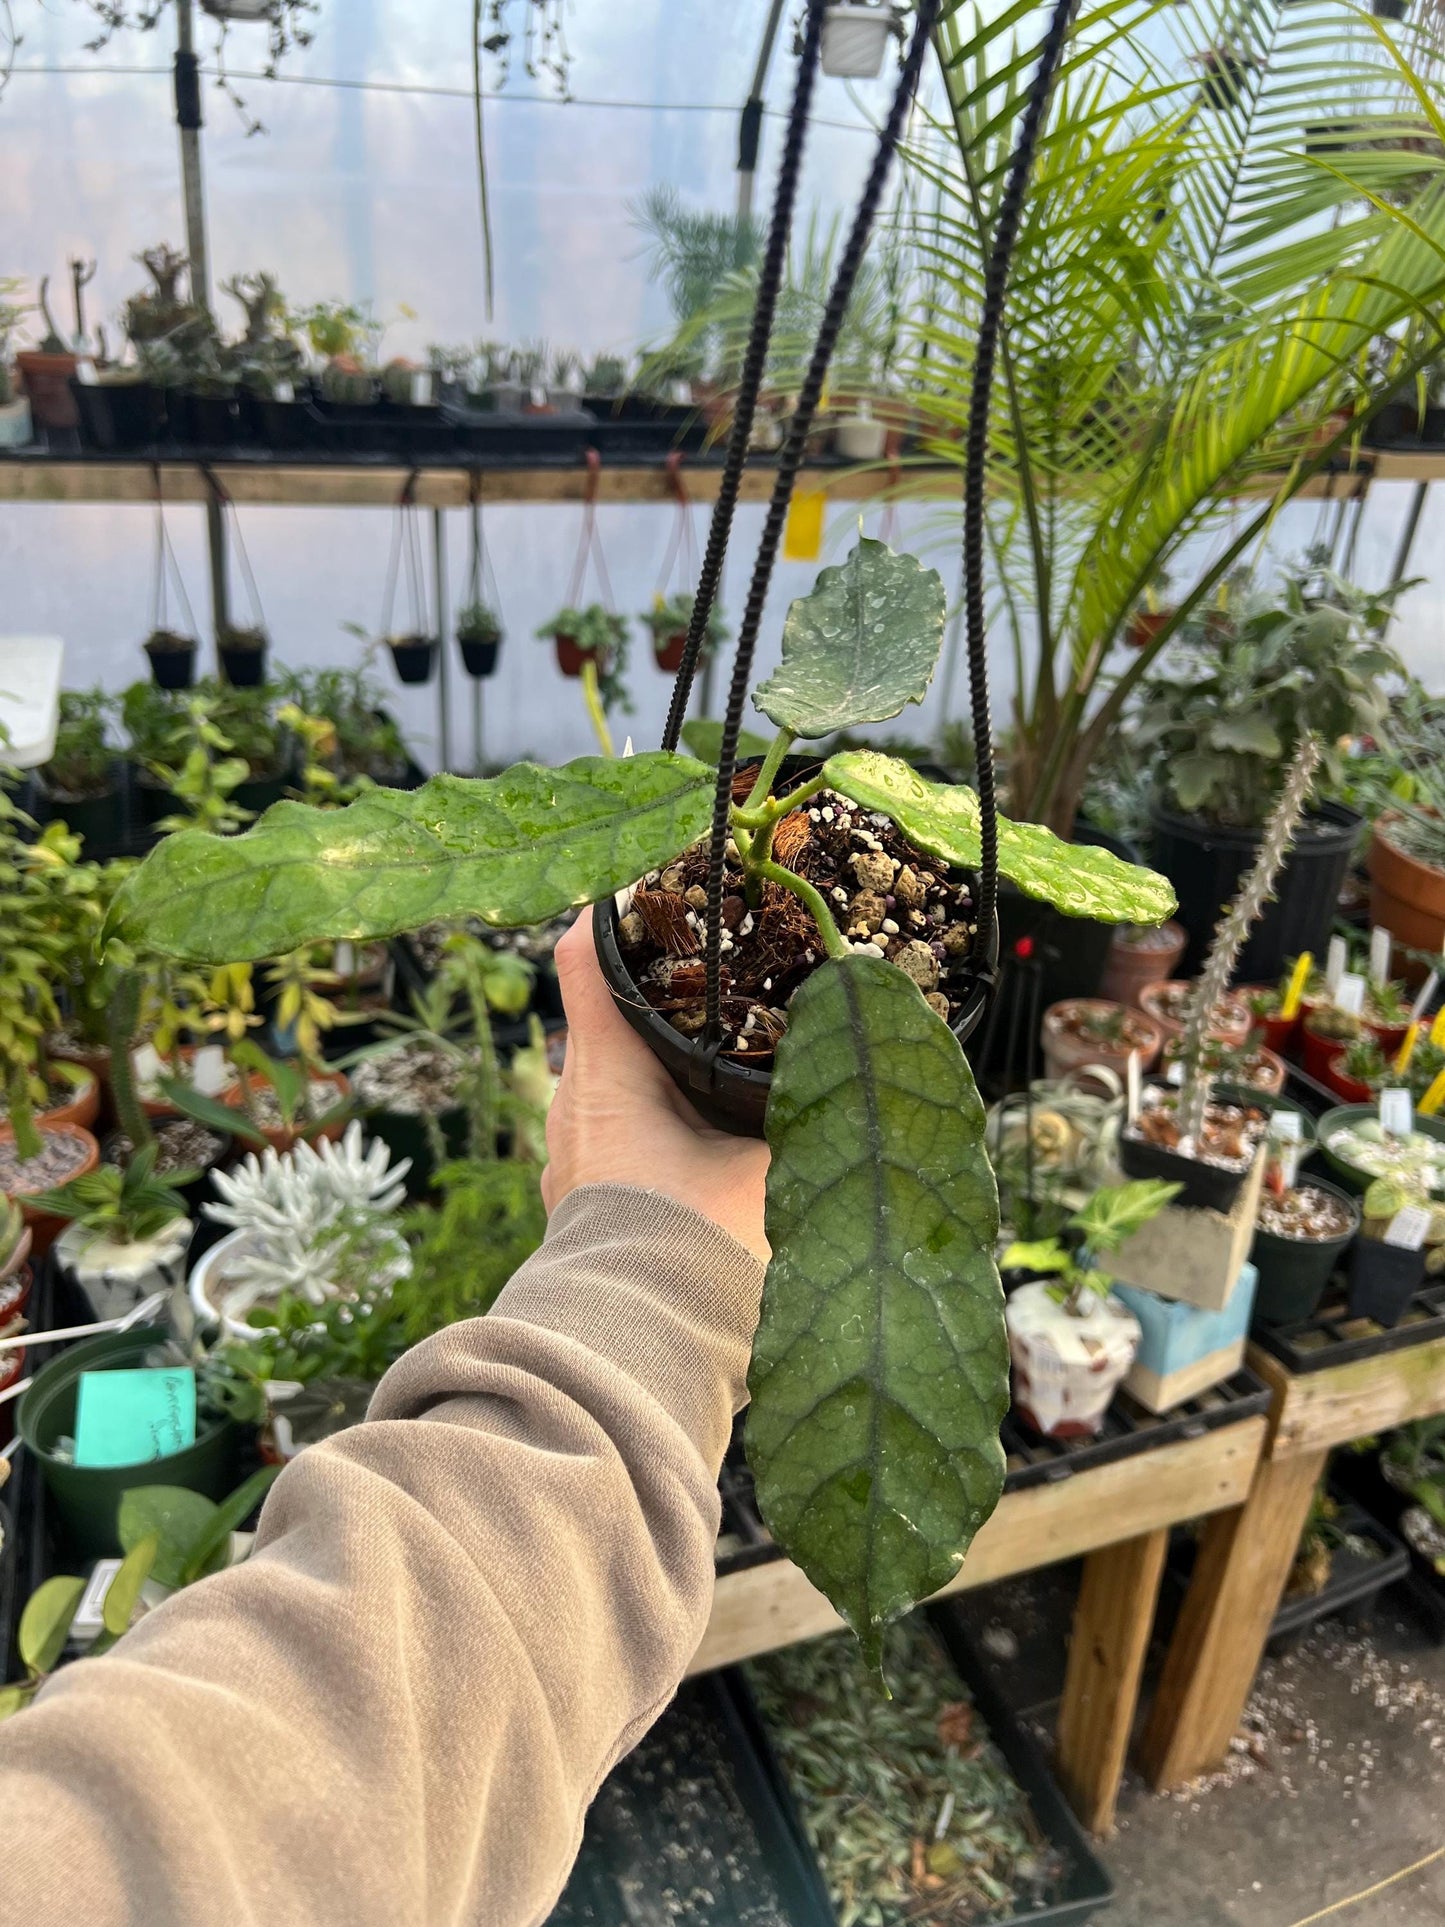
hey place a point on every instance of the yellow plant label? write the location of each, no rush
(1437, 1029)
(1407, 1048)
(1290, 1006)
(803, 531)
(1432, 1100)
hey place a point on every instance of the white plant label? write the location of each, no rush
(1285, 1127)
(1175, 1074)
(1335, 963)
(147, 1065)
(210, 1073)
(421, 388)
(1350, 994)
(90, 1613)
(85, 372)
(343, 959)
(1408, 1227)
(1397, 1117)
(1427, 996)
(1380, 944)
(284, 392)
(1287, 1157)
(1135, 1086)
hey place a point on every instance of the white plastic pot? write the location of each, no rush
(859, 438)
(1068, 1366)
(202, 1310)
(116, 1277)
(15, 429)
(855, 39)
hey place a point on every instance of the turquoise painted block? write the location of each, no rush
(1183, 1351)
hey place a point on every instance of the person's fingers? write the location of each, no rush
(598, 1035)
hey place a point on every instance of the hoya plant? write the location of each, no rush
(880, 1371)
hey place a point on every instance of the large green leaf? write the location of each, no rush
(880, 1368)
(943, 818)
(124, 1589)
(211, 1548)
(510, 849)
(861, 646)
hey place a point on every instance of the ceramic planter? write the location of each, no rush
(1145, 626)
(22, 1179)
(87, 1498)
(855, 39)
(1407, 897)
(1138, 958)
(116, 1277)
(1067, 1366)
(1183, 1351)
(1231, 1017)
(1065, 1050)
(1293, 1272)
(1383, 1280)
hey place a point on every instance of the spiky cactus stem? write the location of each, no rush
(1231, 931)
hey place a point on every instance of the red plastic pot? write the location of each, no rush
(1388, 1036)
(668, 652)
(1315, 1051)
(571, 656)
(1276, 1033)
(1349, 1090)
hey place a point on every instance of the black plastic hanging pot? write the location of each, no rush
(1293, 1272)
(479, 658)
(1383, 1280)
(413, 656)
(243, 667)
(733, 1096)
(172, 660)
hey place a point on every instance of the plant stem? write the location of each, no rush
(593, 697)
(833, 941)
(769, 768)
(124, 1016)
(28, 1141)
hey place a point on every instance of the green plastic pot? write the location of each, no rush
(87, 1498)
(1293, 1272)
(1355, 1181)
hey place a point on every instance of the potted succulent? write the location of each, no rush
(269, 1101)
(172, 658)
(1139, 956)
(1169, 1004)
(1305, 658)
(15, 424)
(15, 1275)
(1386, 1272)
(126, 1232)
(1209, 1149)
(314, 1223)
(669, 619)
(916, 1191)
(1301, 1234)
(1087, 1030)
(1071, 1341)
(855, 37)
(479, 636)
(1249, 1066)
(1355, 1143)
(1357, 1072)
(78, 783)
(243, 656)
(1407, 875)
(47, 372)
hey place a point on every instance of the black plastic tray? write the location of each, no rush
(1333, 1337)
(695, 1829)
(1359, 1475)
(1127, 1429)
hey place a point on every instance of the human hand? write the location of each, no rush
(618, 1118)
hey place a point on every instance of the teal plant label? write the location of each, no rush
(131, 1418)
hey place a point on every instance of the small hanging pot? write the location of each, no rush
(243, 657)
(855, 39)
(479, 628)
(172, 659)
(479, 656)
(572, 657)
(668, 650)
(413, 656)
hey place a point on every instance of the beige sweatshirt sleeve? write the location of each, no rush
(457, 1617)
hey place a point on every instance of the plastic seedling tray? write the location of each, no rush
(1333, 1337)
(694, 1829)
(1360, 1476)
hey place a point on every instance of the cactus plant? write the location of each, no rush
(1232, 929)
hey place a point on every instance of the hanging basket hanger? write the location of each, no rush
(166, 566)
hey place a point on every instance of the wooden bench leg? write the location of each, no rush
(1112, 1622)
(1243, 1564)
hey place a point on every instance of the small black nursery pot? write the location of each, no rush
(413, 656)
(243, 657)
(1383, 1280)
(479, 658)
(172, 659)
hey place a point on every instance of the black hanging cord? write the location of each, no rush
(754, 360)
(789, 463)
(990, 325)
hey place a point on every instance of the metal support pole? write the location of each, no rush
(478, 767)
(750, 130)
(189, 121)
(1408, 533)
(444, 653)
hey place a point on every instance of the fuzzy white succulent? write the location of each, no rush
(316, 1222)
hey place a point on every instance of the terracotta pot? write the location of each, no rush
(1316, 1049)
(162, 1106)
(1065, 1051)
(570, 657)
(83, 1108)
(1349, 1090)
(1232, 1019)
(1133, 965)
(668, 651)
(1144, 625)
(47, 383)
(43, 1228)
(1407, 897)
(281, 1139)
